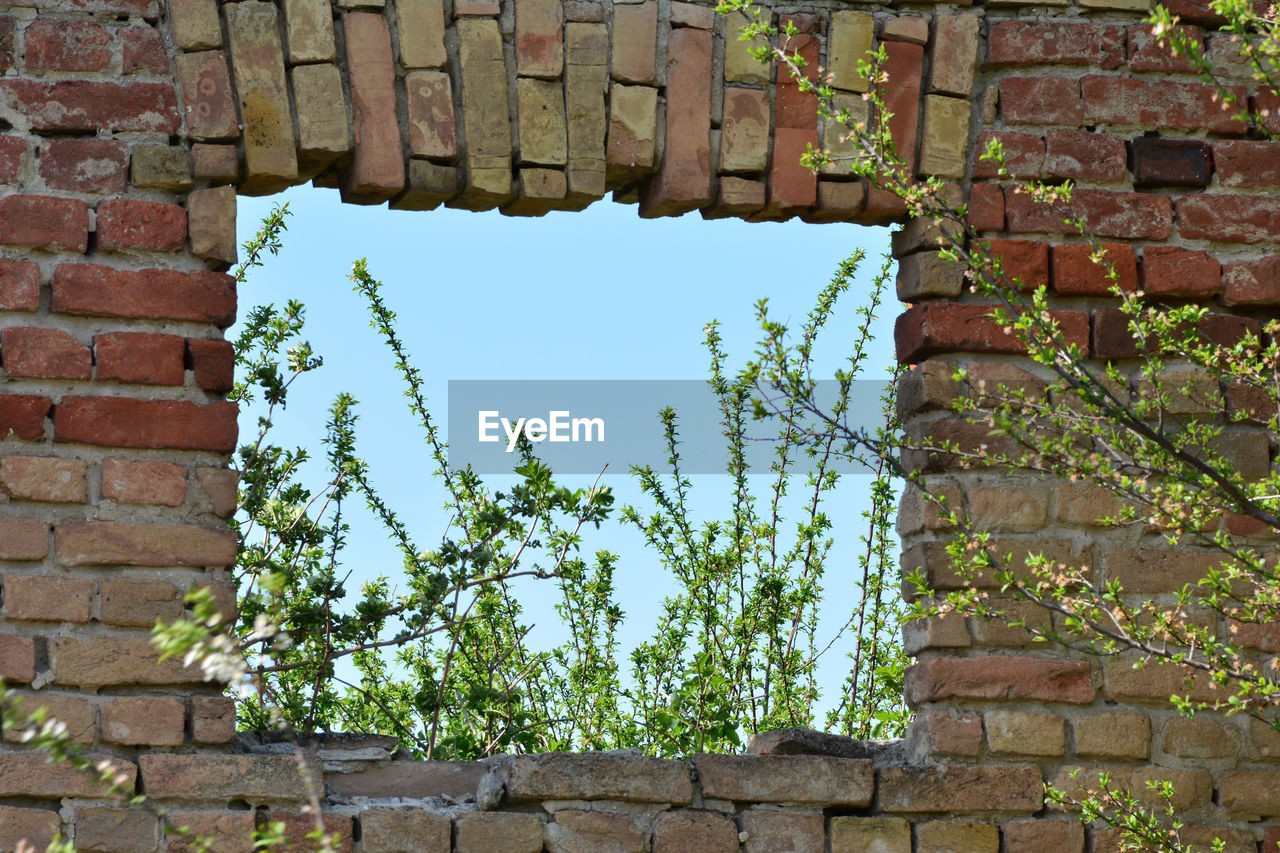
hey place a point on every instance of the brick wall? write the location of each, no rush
(131, 125)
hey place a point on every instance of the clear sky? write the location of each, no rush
(599, 294)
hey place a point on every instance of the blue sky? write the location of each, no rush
(599, 294)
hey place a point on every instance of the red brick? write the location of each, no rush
(17, 659)
(986, 207)
(145, 358)
(928, 329)
(1112, 337)
(112, 543)
(47, 599)
(1135, 216)
(7, 29)
(23, 415)
(150, 424)
(1024, 260)
(902, 69)
(794, 108)
(377, 170)
(43, 478)
(85, 105)
(1229, 219)
(540, 38)
(1147, 53)
(997, 677)
(149, 226)
(298, 826)
(1252, 282)
(230, 832)
(1075, 273)
(1241, 163)
(1083, 156)
(12, 151)
(1017, 44)
(213, 364)
(156, 483)
(1266, 106)
(144, 50)
(1170, 162)
(100, 291)
(1172, 271)
(44, 222)
(85, 165)
(1166, 104)
(33, 353)
(23, 538)
(141, 8)
(206, 90)
(1023, 154)
(683, 181)
(37, 827)
(791, 185)
(1041, 100)
(1040, 835)
(67, 45)
(19, 285)
(143, 721)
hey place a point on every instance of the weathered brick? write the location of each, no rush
(1007, 507)
(793, 107)
(594, 776)
(143, 50)
(1041, 100)
(744, 132)
(926, 274)
(960, 788)
(944, 136)
(214, 163)
(675, 832)
(147, 226)
(195, 24)
(1226, 218)
(585, 85)
(789, 778)
(1252, 282)
(635, 42)
(540, 191)
(100, 291)
(17, 659)
(683, 181)
(323, 135)
(480, 832)
(573, 831)
(19, 285)
(416, 780)
(112, 830)
(741, 67)
(986, 207)
(1038, 835)
(633, 131)
(151, 424)
(430, 184)
(13, 153)
(1075, 273)
(1174, 271)
(1023, 154)
(1025, 732)
(913, 29)
(1156, 682)
(486, 120)
(36, 827)
(84, 165)
(1017, 44)
(770, 831)
(945, 836)
(228, 832)
(155, 483)
(1152, 570)
(309, 27)
(1241, 163)
(1196, 737)
(486, 8)
(376, 172)
(219, 484)
(851, 37)
(47, 599)
(432, 131)
(881, 834)
(1134, 102)
(39, 478)
(91, 105)
(211, 224)
(420, 31)
(29, 774)
(792, 186)
(7, 30)
(206, 90)
(270, 149)
(35, 353)
(540, 38)
(212, 777)
(995, 677)
(691, 15)
(213, 719)
(1137, 216)
(22, 538)
(67, 45)
(1083, 156)
(1149, 53)
(1251, 792)
(117, 543)
(143, 721)
(925, 330)
(212, 363)
(839, 141)
(162, 167)
(44, 222)
(736, 197)
(543, 132)
(949, 733)
(1191, 788)
(953, 54)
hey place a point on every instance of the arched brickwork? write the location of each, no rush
(131, 126)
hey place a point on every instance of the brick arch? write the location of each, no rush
(132, 126)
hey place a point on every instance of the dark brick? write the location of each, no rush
(1170, 162)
